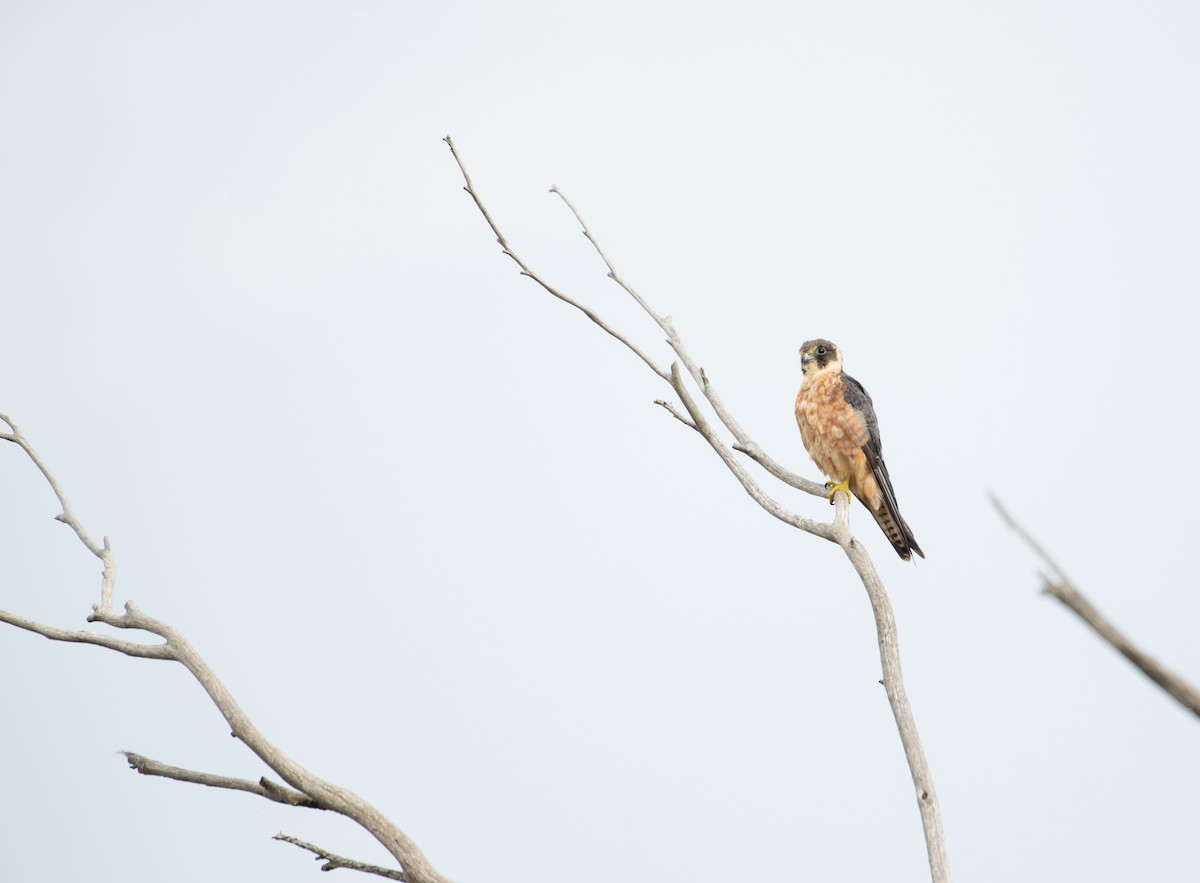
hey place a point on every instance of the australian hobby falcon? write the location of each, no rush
(839, 429)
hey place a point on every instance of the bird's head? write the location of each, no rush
(820, 355)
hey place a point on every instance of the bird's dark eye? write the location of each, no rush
(821, 351)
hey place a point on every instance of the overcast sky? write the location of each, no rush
(426, 521)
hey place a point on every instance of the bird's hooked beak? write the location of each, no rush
(806, 357)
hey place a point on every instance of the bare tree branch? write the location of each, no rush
(1061, 588)
(744, 443)
(264, 787)
(311, 789)
(837, 532)
(526, 271)
(334, 861)
(109, 578)
(893, 683)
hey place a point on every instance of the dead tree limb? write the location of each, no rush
(837, 532)
(1056, 584)
(306, 789)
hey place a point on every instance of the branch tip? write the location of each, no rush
(1056, 584)
(334, 861)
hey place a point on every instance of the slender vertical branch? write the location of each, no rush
(893, 683)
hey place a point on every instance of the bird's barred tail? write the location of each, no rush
(897, 531)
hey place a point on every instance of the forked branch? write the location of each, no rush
(304, 788)
(742, 441)
(838, 531)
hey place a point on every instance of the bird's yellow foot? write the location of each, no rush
(833, 488)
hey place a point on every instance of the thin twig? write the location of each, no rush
(67, 516)
(527, 271)
(1062, 589)
(334, 861)
(1028, 538)
(670, 408)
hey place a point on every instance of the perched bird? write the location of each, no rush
(839, 430)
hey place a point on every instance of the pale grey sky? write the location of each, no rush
(427, 522)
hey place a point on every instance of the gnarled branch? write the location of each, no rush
(309, 790)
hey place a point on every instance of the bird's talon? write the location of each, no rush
(834, 487)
